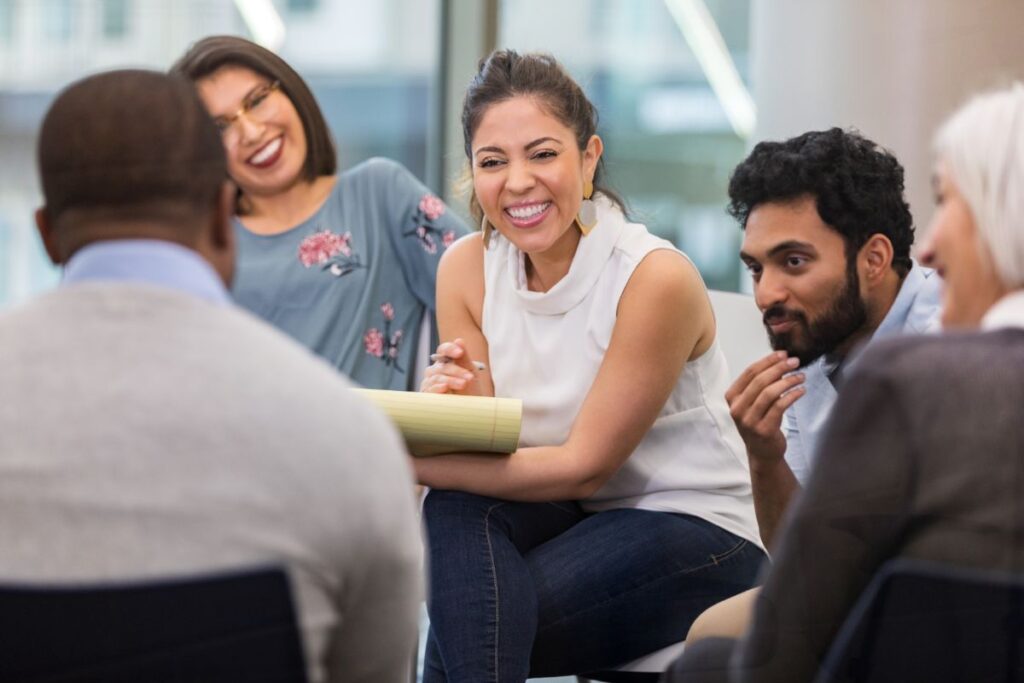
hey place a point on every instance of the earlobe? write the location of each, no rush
(46, 235)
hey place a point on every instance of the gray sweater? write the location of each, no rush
(148, 433)
(922, 459)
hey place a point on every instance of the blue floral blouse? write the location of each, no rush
(354, 281)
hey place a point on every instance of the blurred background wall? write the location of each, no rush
(892, 68)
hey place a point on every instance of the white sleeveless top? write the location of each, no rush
(546, 348)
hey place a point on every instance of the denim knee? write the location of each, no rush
(440, 501)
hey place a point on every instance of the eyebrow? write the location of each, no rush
(788, 245)
(528, 146)
(540, 141)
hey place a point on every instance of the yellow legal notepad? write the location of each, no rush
(445, 423)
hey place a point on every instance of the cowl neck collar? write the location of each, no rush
(588, 263)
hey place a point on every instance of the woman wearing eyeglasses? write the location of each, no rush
(345, 263)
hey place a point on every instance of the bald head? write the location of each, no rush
(126, 154)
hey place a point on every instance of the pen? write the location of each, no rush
(438, 358)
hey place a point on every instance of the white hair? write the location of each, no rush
(982, 147)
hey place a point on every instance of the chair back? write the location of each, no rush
(740, 330)
(225, 628)
(919, 621)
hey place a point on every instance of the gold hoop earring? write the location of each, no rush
(486, 228)
(586, 217)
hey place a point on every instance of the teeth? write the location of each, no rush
(268, 151)
(523, 212)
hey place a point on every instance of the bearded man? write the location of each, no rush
(827, 237)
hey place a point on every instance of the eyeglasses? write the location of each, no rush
(258, 105)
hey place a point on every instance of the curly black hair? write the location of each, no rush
(857, 186)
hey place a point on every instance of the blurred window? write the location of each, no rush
(115, 18)
(301, 5)
(669, 144)
(58, 19)
(7, 19)
(372, 66)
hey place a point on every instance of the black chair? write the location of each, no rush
(919, 621)
(224, 628)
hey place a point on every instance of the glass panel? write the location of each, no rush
(58, 20)
(7, 19)
(371, 65)
(669, 145)
(115, 18)
(301, 5)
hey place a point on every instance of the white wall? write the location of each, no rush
(891, 68)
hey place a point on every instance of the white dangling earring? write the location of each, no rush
(486, 228)
(586, 218)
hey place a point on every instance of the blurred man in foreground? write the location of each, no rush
(152, 430)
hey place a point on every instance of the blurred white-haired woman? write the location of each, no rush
(977, 235)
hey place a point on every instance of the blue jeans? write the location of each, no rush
(545, 589)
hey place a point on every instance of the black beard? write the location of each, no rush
(845, 315)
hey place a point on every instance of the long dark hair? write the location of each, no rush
(209, 54)
(505, 74)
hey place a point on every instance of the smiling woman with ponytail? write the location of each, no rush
(627, 509)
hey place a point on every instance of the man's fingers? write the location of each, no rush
(769, 396)
(788, 398)
(759, 419)
(752, 371)
(744, 401)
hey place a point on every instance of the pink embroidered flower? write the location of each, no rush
(379, 344)
(373, 340)
(345, 242)
(320, 246)
(426, 240)
(431, 206)
(449, 237)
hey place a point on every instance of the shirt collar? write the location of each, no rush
(588, 264)
(1007, 312)
(153, 262)
(895, 320)
(906, 314)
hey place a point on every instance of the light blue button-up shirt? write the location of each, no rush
(152, 262)
(915, 310)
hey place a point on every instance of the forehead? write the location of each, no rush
(223, 90)
(518, 120)
(774, 223)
